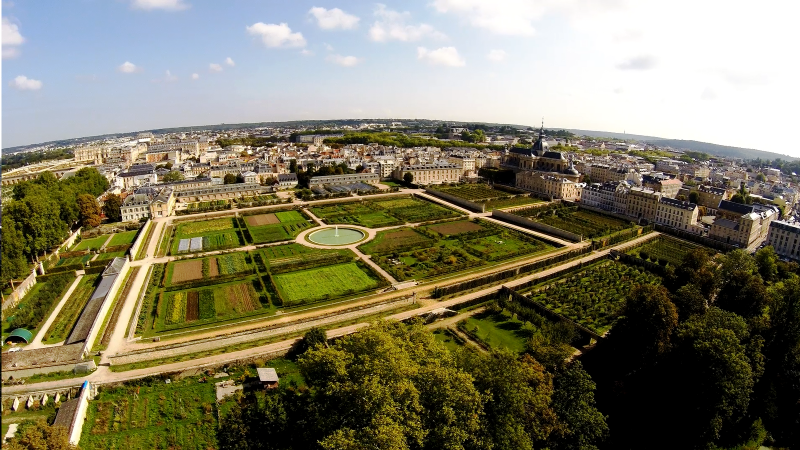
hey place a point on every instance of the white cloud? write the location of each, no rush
(195, 76)
(708, 94)
(328, 47)
(644, 62)
(215, 67)
(333, 19)
(391, 26)
(24, 83)
(11, 38)
(128, 67)
(229, 61)
(273, 35)
(445, 56)
(167, 5)
(497, 55)
(509, 17)
(306, 52)
(344, 61)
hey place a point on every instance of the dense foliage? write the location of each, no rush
(33, 435)
(16, 160)
(394, 386)
(713, 355)
(40, 215)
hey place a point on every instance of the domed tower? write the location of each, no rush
(540, 146)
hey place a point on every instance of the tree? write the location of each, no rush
(89, 211)
(761, 178)
(689, 300)
(408, 177)
(111, 208)
(239, 178)
(173, 176)
(293, 166)
(229, 178)
(315, 337)
(573, 402)
(12, 249)
(681, 198)
(648, 320)
(36, 435)
(694, 197)
(767, 262)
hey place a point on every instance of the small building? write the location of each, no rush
(287, 180)
(20, 335)
(268, 377)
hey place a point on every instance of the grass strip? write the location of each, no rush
(104, 336)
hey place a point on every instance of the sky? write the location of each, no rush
(712, 70)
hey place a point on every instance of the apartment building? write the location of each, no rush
(678, 214)
(743, 225)
(784, 237)
(710, 196)
(429, 173)
(604, 196)
(333, 180)
(642, 203)
(466, 163)
(148, 202)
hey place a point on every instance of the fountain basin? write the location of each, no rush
(334, 236)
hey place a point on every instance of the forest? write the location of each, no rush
(20, 159)
(40, 216)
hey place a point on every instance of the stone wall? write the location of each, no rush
(98, 320)
(137, 244)
(19, 291)
(457, 200)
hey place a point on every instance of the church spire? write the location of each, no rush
(541, 130)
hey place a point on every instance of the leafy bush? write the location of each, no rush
(32, 311)
(207, 309)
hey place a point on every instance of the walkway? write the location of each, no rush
(37, 341)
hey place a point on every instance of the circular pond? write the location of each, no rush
(336, 236)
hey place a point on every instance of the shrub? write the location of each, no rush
(644, 255)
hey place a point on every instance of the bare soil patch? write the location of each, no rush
(455, 227)
(192, 306)
(213, 267)
(262, 219)
(187, 271)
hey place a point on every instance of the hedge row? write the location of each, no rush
(208, 281)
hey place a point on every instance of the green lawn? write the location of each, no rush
(123, 238)
(74, 260)
(321, 283)
(111, 255)
(93, 243)
(290, 225)
(62, 326)
(442, 335)
(381, 213)
(500, 331)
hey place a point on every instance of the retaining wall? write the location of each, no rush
(528, 223)
(457, 200)
(134, 250)
(20, 291)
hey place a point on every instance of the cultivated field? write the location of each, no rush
(187, 271)
(382, 213)
(152, 416)
(262, 219)
(572, 219)
(322, 283)
(220, 301)
(491, 198)
(594, 296)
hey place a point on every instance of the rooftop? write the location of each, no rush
(267, 374)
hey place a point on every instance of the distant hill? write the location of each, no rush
(612, 135)
(719, 150)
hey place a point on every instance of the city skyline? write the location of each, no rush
(719, 76)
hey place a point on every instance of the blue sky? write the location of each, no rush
(718, 71)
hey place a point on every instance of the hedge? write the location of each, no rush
(208, 282)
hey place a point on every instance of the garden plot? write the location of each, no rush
(322, 283)
(412, 210)
(221, 301)
(439, 249)
(61, 327)
(153, 415)
(593, 297)
(483, 194)
(232, 263)
(500, 330)
(206, 235)
(572, 219)
(276, 227)
(187, 271)
(262, 219)
(665, 249)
